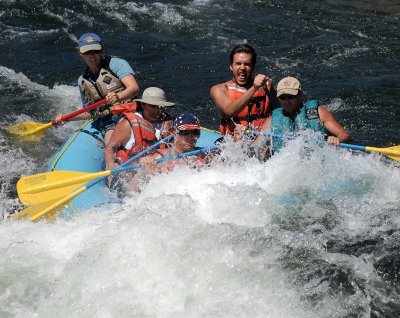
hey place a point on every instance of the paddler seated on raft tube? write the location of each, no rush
(293, 116)
(106, 77)
(139, 129)
(186, 132)
(243, 99)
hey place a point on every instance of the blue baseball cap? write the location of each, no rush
(89, 42)
(186, 121)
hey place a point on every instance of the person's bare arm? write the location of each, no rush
(119, 137)
(149, 164)
(83, 116)
(220, 96)
(334, 128)
(130, 91)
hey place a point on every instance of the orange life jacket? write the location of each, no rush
(254, 113)
(118, 109)
(144, 133)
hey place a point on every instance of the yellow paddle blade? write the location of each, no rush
(52, 185)
(47, 209)
(21, 215)
(30, 213)
(391, 152)
(48, 195)
(54, 207)
(29, 130)
(397, 158)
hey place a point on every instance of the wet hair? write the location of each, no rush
(244, 48)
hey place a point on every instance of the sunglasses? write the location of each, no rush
(283, 97)
(193, 132)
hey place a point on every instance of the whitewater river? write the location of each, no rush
(313, 232)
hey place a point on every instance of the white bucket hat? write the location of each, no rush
(154, 96)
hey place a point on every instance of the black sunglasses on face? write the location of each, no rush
(283, 97)
(193, 132)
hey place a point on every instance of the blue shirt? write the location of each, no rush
(118, 66)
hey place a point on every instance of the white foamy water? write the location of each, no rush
(233, 240)
(17, 156)
(60, 98)
(63, 92)
(303, 235)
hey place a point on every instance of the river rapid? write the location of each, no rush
(313, 232)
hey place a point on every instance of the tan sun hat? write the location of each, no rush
(288, 85)
(154, 96)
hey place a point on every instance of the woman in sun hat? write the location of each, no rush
(140, 129)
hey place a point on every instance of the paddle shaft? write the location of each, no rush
(148, 149)
(342, 145)
(70, 180)
(139, 155)
(178, 156)
(374, 149)
(80, 111)
(83, 188)
(138, 165)
(90, 184)
(34, 131)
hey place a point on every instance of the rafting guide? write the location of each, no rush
(106, 77)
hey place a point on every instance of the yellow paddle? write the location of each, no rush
(47, 195)
(31, 131)
(49, 186)
(391, 152)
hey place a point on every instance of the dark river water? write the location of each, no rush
(293, 237)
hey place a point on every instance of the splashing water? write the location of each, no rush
(240, 238)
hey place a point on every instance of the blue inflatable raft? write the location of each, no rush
(83, 152)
